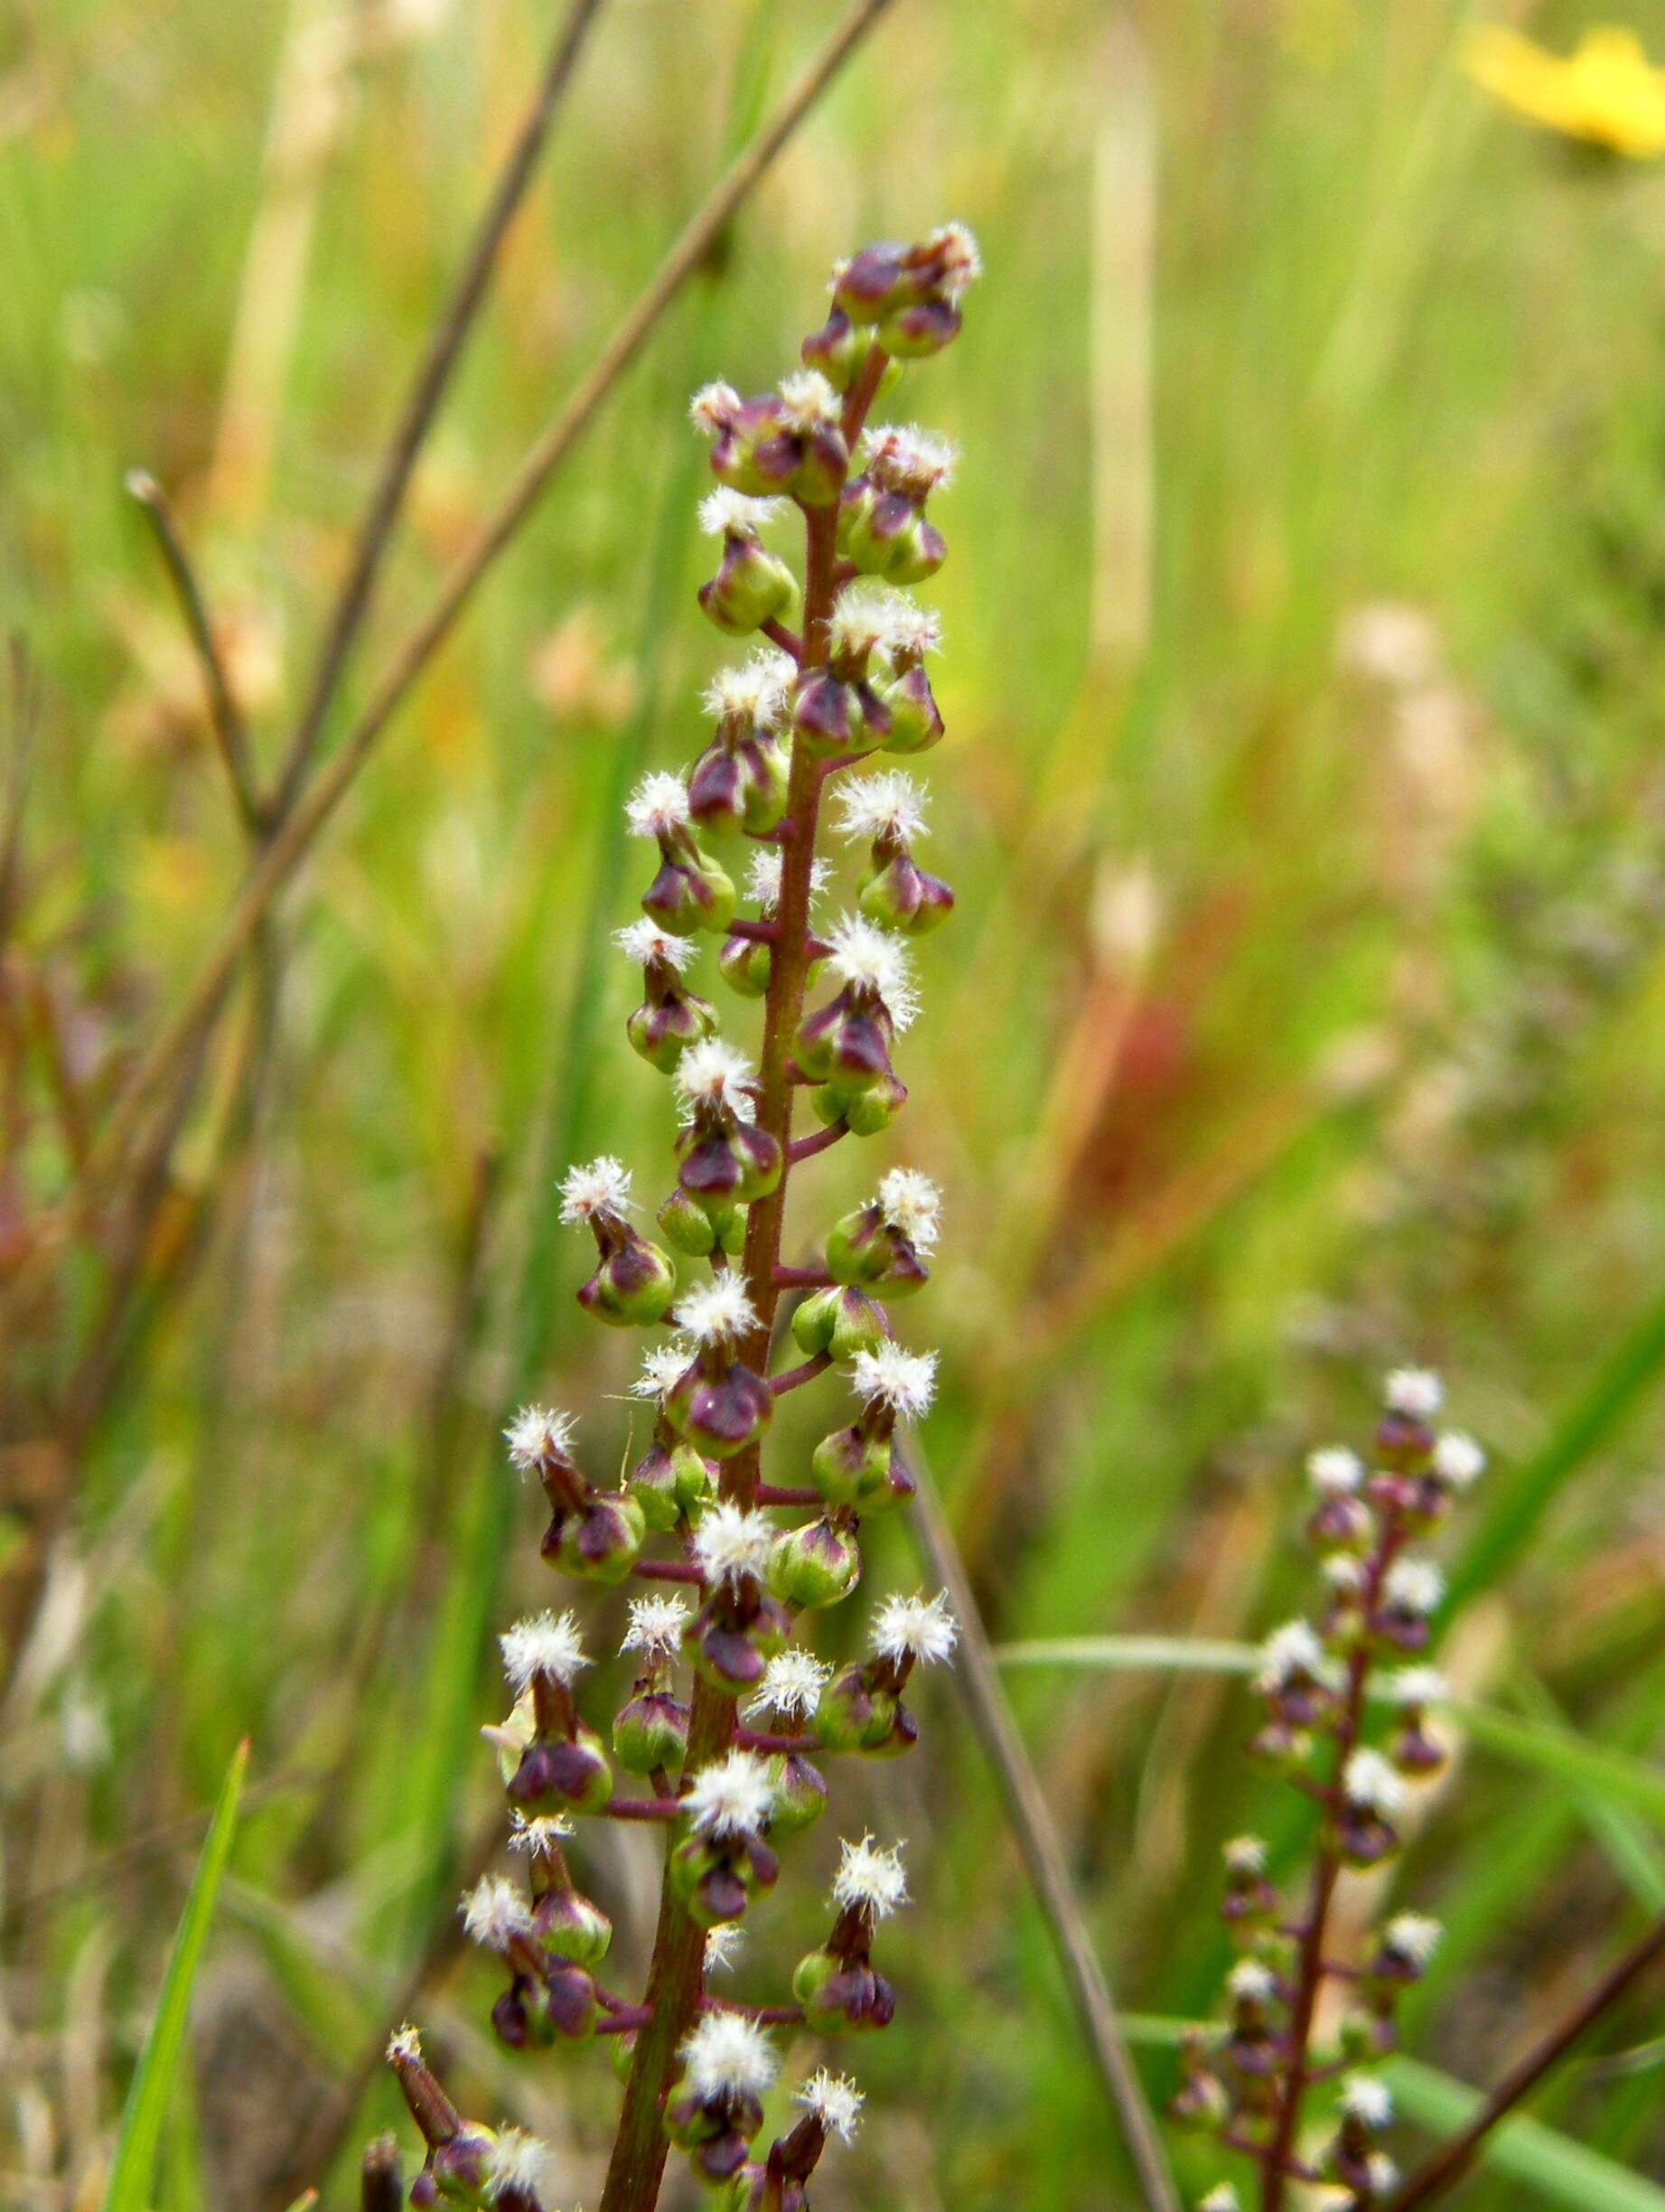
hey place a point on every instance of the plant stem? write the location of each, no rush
(1450, 2164)
(1310, 1975)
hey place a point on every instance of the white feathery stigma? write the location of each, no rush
(728, 513)
(722, 1942)
(764, 878)
(543, 1832)
(728, 2053)
(890, 804)
(1417, 1686)
(1222, 2198)
(890, 1376)
(405, 2047)
(908, 630)
(869, 960)
(656, 1625)
(518, 2164)
(712, 406)
(731, 1542)
(1253, 1980)
(544, 1645)
(494, 1913)
(912, 1203)
(1384, 2175)
(1367, 2100)
(1413, 1585)
(1458, 1459)
(902, 457)
(754, 693)
(662, 1368)
(1413, 1936)
(834, 2100)
(1369, 1781)
(858, 622)
(1335, 1470)
(1291, 1652)
(792, 1684)
(1245, 1854)
(645, 940)
(808, 402)
(713, 1073)
(870, 1877)
(657, 806)
(961, 256)
(716, 1312)
(537, 1433)
(600, 1186)
(1416, 1393)
(732, 1797)
(916, 1627)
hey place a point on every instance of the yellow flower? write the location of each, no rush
(1606, 92)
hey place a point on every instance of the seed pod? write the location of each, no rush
(700, 1231)
(815, 1565)
(570, 1926)
(840, 1995)
(552, 1778)
(650, 1730)
(840, 1321)
(799, 1793)
(602, 1543)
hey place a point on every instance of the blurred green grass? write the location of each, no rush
(1341, 870)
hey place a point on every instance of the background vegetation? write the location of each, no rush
(1303, 1012)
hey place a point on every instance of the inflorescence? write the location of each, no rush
(730, 1713)
(1348, 1717)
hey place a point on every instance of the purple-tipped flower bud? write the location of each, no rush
(910, 294)
(690, 892)
(887, 812)
(716, 2107)
(724, 1159)
(1373, 1798)
(835, 709)
(883, 528)
(751, 585)
(698, 1230)
(723, 1861)
(840, 1321)
(844, 1046)
(815, 1565)
(669, 1018)
(739, 782)
(883, 1245)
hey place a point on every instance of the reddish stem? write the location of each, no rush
(787, 640)
(803, 1279)
(756, 932)
(806, 1147)
(643, 1808)
(755, 1739)
(778, 1493)
(667, 1570)
(795, 1378)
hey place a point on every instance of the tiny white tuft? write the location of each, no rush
(1417, 1686)
(1416, 1393)
(722, 1942)
(1292, 1653)
(727, 2054)
(662, 1368)
(494, 1913)
(1384, 2175)
(543, 1832)
(657, 806)
(808, 402)
(858, 622)
(1222, 2198)
(656, 1625)
(546, 1645)
(733, 1797)
(912, 1203)
(731, 1542)
(902, 457)
(835, 2102)
(792, 1684)
(869, 962)
(870, 1877)
(764, 878)
(890, 804)
(916, 1627)
(961, 256)
(518, 2164)
(645, 940)
(1458, 1459)
(405, 2047)
(600, 1186)
(713, 1073)
(1413, 1936)
(1245, 1854)
(716, 1310)
(537, 1433)
(1367, 2100)
(725, 513)
(754, 694)
(890, 1376)
(908, 631)
(1335, 1470)
(713, 407)
(1370, 1782)
(1253, 1980)
(1413, 1585)
(1345, 1572)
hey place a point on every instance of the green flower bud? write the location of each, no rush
(868, 1109)
(799, 1793)
(815, 1565)
(698, 1230)
(849, 1467)
(840, 1321)
(730, 1645)
(689, 893)
(882, 283)
(751, 585)
(634, 1282)
(746, 966)
(567, 1926)
(915, 724)
(838, 350)
(649, 1730)
(841, 1995)
(602, 1543)
(560, 2007)
(554, 1777)
(717, 1877)
(621, 2052)
(852, 1716)
(899, 894)
(652, 1483)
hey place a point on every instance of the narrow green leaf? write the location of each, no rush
(132, 2170)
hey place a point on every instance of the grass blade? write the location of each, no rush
(133, 2170)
